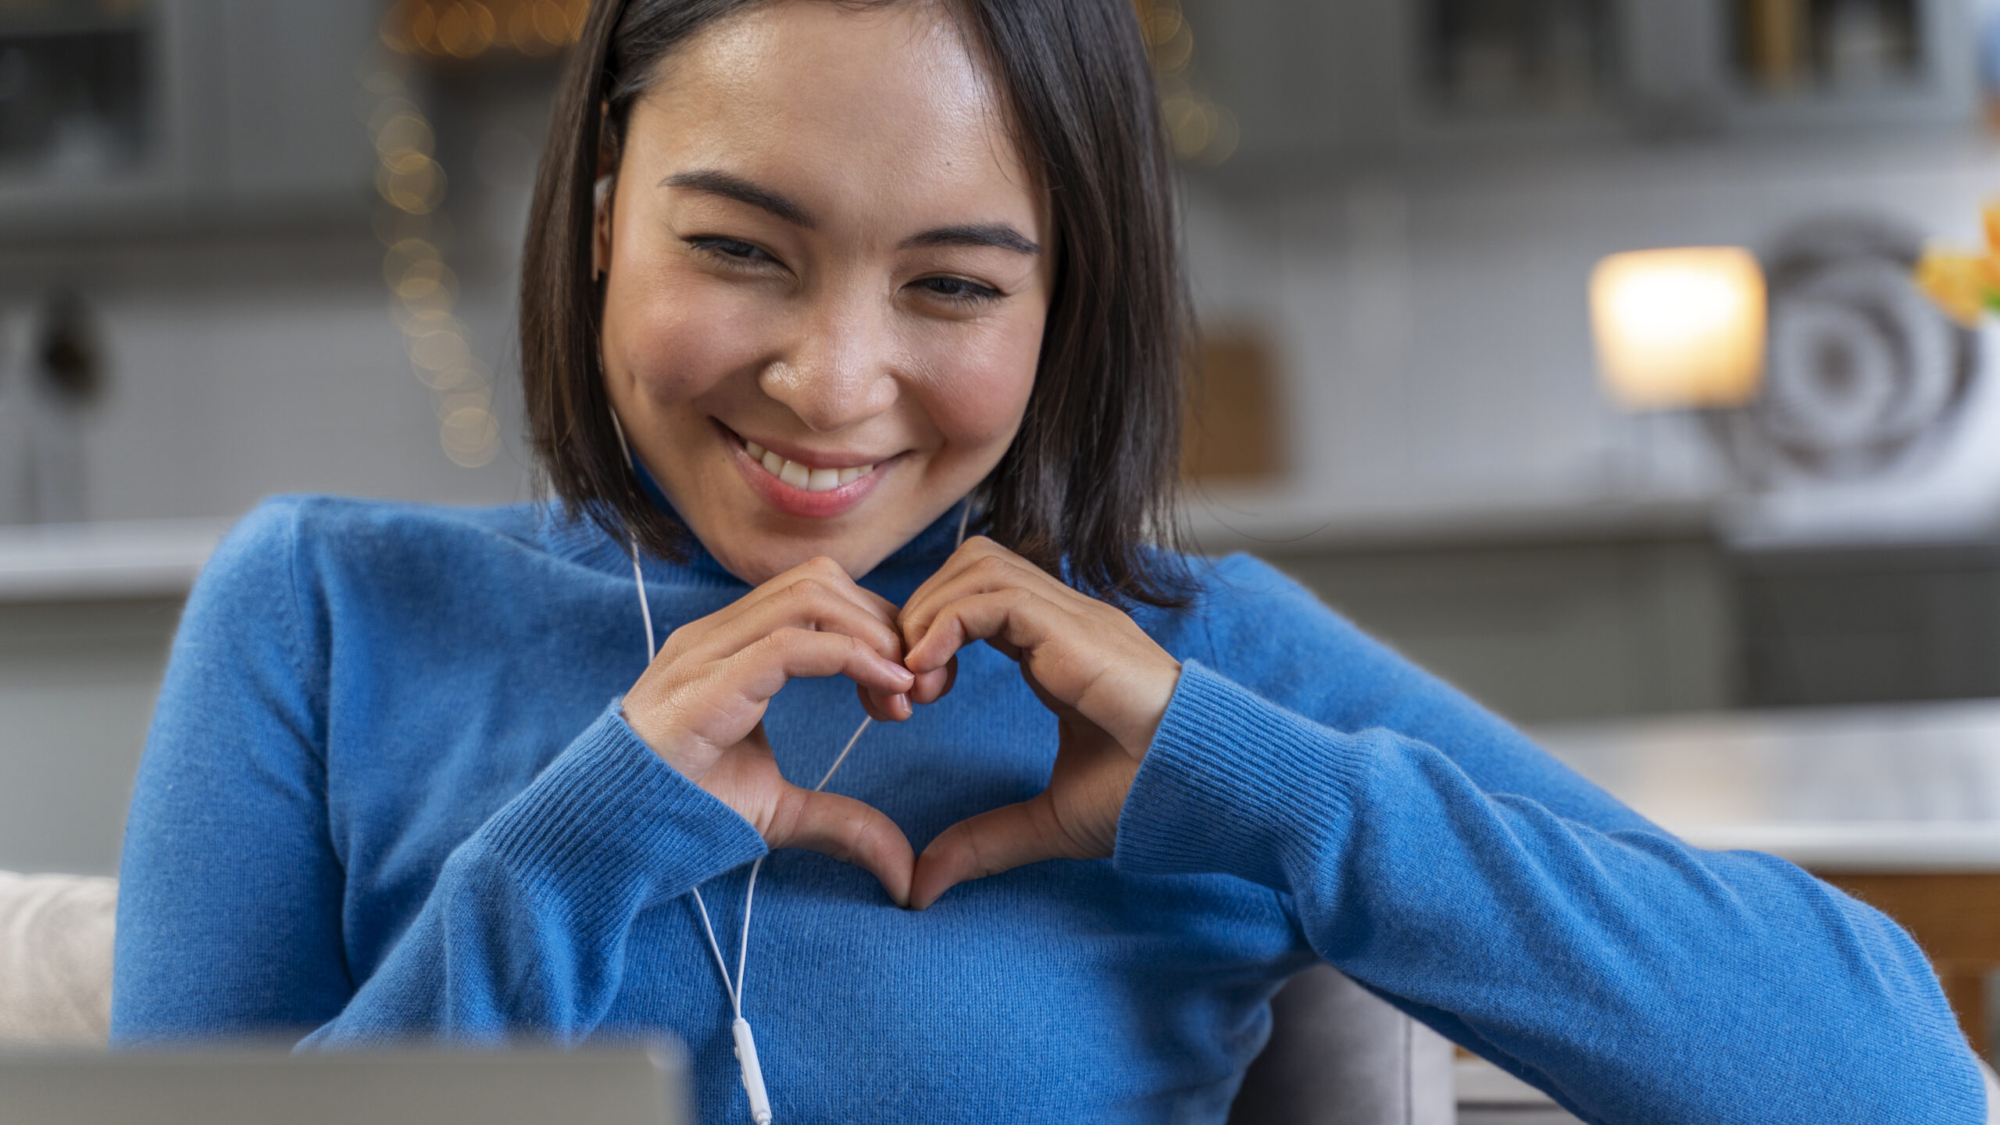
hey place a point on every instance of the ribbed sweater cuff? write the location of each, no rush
(1236, 785)
(608, 825)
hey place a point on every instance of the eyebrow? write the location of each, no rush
(990, 234)
(716, 182)
(742, 191)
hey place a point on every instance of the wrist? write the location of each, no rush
(663, 745)
(1152, 696)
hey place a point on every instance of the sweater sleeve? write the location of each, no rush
(1439, 858)
(232, 891)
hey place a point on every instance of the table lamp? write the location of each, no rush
(1681, 328)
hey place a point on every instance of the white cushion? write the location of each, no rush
(55, 959)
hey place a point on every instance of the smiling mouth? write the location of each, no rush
(802, 477)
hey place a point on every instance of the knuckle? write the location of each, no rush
(808, 590)
(780, 639)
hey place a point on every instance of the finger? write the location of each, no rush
(757, 672)
(995, 841)
(1017, 619)
(918, 606)
(933, 685)
(823, 572)
(834, 576)
(885, 708)
(850, 831)
(995, 570)
(807, 603)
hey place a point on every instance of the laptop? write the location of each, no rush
(627, 1085)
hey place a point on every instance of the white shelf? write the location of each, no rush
(1909, 787)
(1480, 1083)
(1221, 520)
(135, 559)
(160, 558)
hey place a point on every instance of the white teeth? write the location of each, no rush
(800, 476)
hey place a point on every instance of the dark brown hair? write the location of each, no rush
(1087, 488)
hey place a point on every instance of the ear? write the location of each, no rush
(603, 193)
(600, 225)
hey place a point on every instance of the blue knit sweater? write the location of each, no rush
(388, 794)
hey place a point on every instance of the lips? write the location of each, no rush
(800, 489)
(802, 476)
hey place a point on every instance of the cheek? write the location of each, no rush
(677, 340)
(978, 389)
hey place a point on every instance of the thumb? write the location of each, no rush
(987, 844)
(848, 830)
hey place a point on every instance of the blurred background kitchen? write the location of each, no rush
(259, 246)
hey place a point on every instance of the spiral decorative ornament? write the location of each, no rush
(1865, 374)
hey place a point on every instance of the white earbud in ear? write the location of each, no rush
(600, 193)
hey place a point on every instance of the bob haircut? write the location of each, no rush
(1086, 490)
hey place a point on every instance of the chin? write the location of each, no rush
(759, 556)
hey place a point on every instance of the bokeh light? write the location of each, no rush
(1196, 125)
(469, 29)
(425, 289)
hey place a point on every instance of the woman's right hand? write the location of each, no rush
(700, 706)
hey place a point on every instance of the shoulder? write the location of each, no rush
(292, 556)
(1243, 605)
(308, 519)
(310, 532)
(1260, 628)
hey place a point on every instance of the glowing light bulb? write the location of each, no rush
(1680, 328)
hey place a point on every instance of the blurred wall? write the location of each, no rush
(242, 367)
(1433, 321)
(1426, 306)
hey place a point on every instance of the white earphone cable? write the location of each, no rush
(746, 1049)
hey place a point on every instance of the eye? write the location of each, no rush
(958, 289)
(729, 249)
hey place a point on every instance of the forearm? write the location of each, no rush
(524, 932)
(1632, 976)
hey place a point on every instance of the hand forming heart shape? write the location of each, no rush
(1107, 682)
(701, 702)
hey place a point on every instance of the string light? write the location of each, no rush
(1200, 128)
(468, 29)
(425, 290)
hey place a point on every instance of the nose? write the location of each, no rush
(840, 372)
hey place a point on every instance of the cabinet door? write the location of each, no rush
(100, 113)
(242, 110)
(1294, 75)
(1673, 55)
(291, 71)
(1810, 64)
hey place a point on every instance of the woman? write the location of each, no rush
(854, 280)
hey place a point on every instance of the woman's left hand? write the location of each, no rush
(1106, 680)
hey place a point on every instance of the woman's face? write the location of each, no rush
(827, 274)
